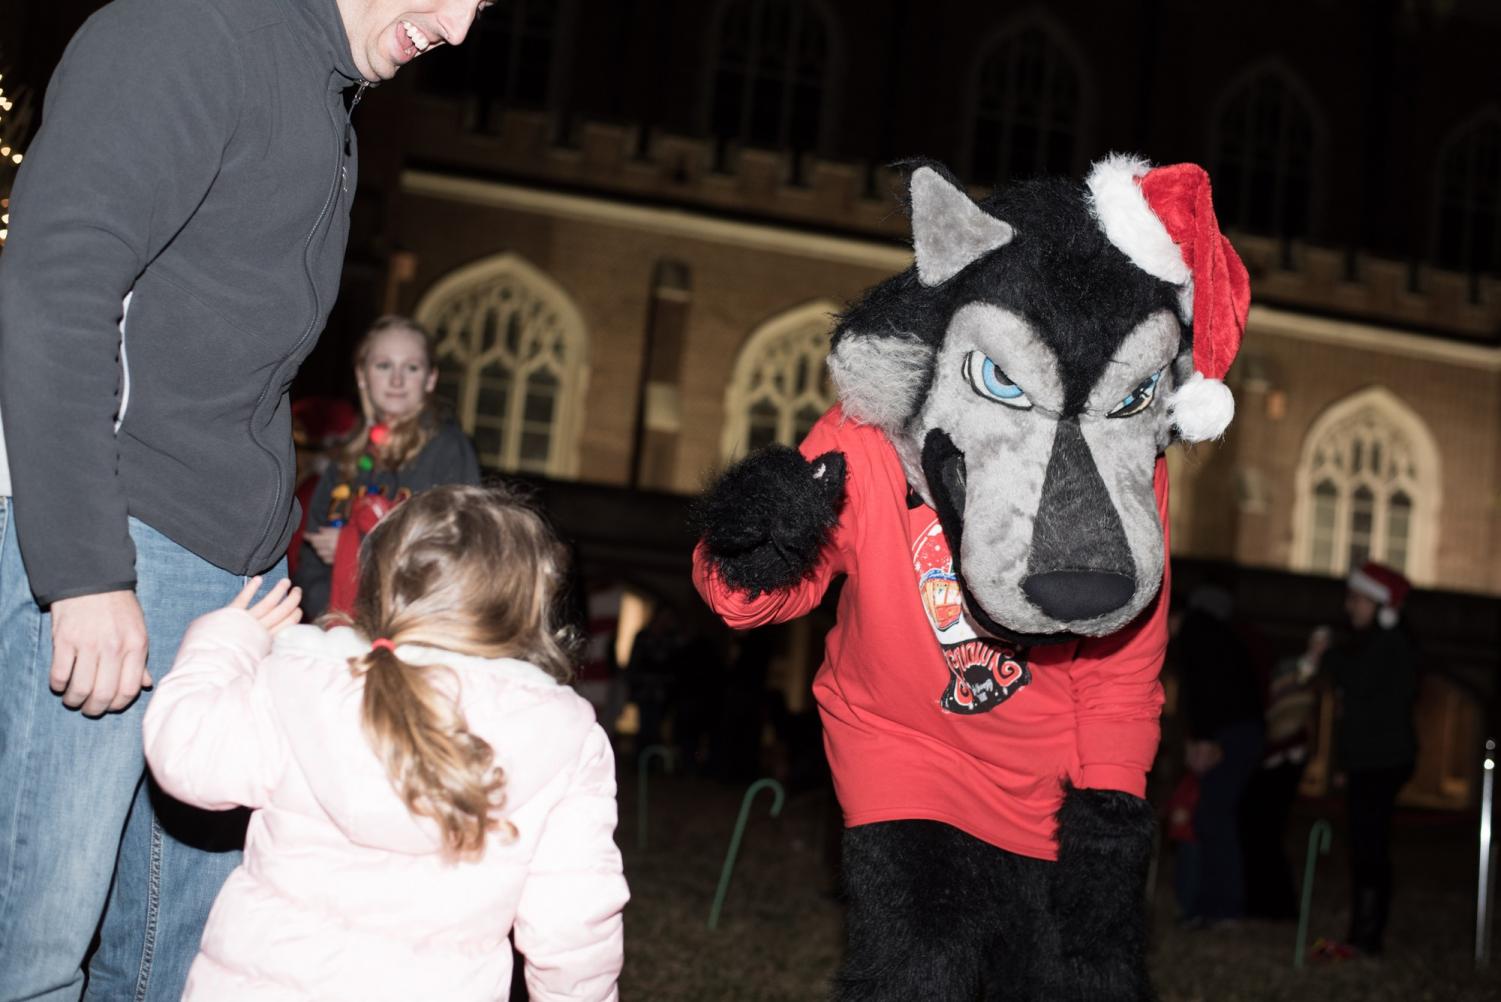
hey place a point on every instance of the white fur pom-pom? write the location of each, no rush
(1201, 409)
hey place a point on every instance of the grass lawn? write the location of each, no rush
(780, 933)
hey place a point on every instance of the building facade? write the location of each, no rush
(655, 207)
(629, 223)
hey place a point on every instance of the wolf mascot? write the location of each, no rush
(991, 487)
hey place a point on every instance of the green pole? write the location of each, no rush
(1318, 845)
(778, 796)
(664, 755)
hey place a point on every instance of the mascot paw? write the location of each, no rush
(765, 521)
(1099, 895)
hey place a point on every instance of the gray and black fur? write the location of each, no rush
(1042, 477)
(1048, 508)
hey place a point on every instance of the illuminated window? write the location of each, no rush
(1368, 488)
(1029, 104)
(512, 357)
(781, 383)
(1266, 155)
(771, 73)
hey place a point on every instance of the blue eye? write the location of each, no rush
(990, 382)
(1138, 399)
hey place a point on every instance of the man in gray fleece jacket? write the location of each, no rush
(177, 233)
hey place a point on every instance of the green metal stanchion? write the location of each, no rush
(1319, 837)
(779, 796)
(664, 755)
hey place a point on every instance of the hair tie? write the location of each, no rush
(383, 644)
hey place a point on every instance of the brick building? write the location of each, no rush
(629, 223)
(630, 220)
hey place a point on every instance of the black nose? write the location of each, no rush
(1075, 595)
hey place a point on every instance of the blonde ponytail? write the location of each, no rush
(430, 576)
(439, 769)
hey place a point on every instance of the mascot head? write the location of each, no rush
(1045, 348)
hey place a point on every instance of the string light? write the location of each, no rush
(8, 152)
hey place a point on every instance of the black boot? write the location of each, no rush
(1368, 908)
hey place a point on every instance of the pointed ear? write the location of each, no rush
(948, 229)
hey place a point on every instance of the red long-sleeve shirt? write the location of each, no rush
(922, 720)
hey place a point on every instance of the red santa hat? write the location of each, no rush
(319, 422)
(1162, 219)
(1384, 586)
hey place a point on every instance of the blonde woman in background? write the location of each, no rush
(404, 445)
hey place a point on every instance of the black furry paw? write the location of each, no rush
(766, 519)
(1098, 897)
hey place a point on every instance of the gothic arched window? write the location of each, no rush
(781, 385)
(1368, 488)
(771, 74)
(1266, 155)
(1467, 223)
(1029, 106)
(512, 357)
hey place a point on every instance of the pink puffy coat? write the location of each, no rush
(343, 893)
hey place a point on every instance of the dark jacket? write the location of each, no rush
(1376, 674)
(447, 458)
(196, 154)
(1218, 679)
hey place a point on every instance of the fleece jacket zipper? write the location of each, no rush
(340, 182)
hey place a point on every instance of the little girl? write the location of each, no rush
(423, 783)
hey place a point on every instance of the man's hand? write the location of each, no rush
(324, 542)
(277, 610)
(98, 651)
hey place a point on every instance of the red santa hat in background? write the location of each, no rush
(1384, 586)
(321, 422)
(1162, 219)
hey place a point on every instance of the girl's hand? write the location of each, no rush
(277, 610)
(1318, 641)
(324, 542)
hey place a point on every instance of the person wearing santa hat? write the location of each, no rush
(1375, 674)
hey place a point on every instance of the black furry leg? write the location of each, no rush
(939, 916)
(1098, 899)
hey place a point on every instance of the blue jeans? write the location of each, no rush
(1214, 869)
(80, 824)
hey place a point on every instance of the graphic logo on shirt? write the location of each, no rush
(983, 672)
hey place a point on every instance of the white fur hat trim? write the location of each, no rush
(1201, 409)
(1129, 222)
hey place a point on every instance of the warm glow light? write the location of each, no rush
(16, 158)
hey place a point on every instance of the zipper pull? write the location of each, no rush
(344, 178)
(349, 115)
